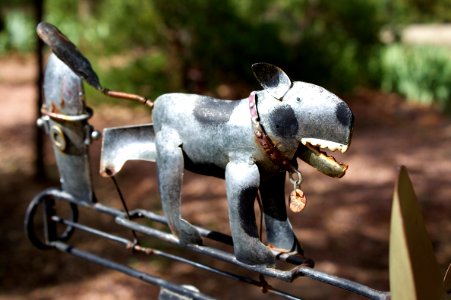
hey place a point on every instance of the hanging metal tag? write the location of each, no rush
(297, 199)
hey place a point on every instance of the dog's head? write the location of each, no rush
(324, 121)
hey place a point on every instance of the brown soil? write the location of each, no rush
(344, 228)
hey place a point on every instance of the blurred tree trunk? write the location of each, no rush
(39, 134)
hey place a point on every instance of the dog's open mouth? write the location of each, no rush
(310, 151)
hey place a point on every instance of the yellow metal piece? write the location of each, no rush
(414, 271)
(447, 281)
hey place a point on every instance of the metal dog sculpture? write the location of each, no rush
(251, 143)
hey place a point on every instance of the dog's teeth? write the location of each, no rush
(333, 149)
(332, 146)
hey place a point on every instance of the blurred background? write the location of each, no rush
(390, 60)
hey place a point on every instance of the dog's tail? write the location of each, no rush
(67, 52)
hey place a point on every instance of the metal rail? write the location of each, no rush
(48, 199)
(129, 271)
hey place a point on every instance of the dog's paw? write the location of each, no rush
(188, 234)
(254, 253)
(286, 243)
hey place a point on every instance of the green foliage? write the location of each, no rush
(420, 73)
(420, 11)
(204, 43)
(18, 31)
(125, 25)
(319, 41)
(143, 74)
(340, 43)
(215, 41)
(79, 26)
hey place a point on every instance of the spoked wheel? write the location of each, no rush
(39, 214)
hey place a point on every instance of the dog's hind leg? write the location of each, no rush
(170, 167)
(242, 182)
(279, 232)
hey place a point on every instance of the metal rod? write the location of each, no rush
(129, 271)
(229, 275)
(210, 234)
(279, 274)
(127, 96)
(128, 243)
(124, 205)
(91, 230)
(346, 284)
(122, 220)
(111, 211)
(212, 252)
(219, 237)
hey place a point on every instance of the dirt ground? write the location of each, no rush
(344, 228)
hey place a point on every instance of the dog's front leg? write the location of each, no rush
(170, 167)
(242, 182)
(279, 232)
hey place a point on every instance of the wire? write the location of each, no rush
(124, 205)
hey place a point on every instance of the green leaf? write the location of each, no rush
(414, 271)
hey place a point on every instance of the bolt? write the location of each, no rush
(95, 135)
(40, 122)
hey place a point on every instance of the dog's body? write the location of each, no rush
(219, 131)
(249, 142)
(217, 137)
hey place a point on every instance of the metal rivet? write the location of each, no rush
(40, 122)
(58, 138)
(258, 133)
(95, 135)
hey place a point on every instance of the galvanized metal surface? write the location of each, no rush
(121, 144)
(216, 137)
(65, 118)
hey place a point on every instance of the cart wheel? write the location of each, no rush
(48, 200)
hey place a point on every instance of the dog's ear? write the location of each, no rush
(272, 79)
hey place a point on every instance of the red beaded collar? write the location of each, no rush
(297, 199)
(263, 139)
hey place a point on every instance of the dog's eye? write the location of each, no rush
(298, 99)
